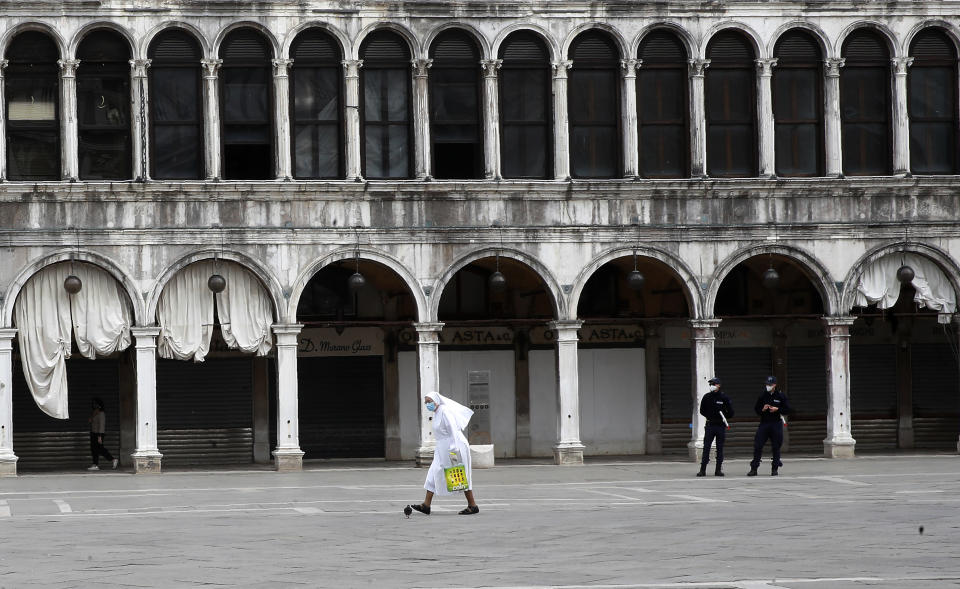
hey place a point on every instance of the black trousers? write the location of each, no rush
(768, 431)
(711, 433)
(97, 450)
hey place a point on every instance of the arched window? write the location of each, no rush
(594, 107)
(103, 107)
(246, 110)
(526, 140)
(731, 107)
(176, 107)
(798, 105)
(386, 106)
(932, 103)
(455, 129)
(865, 105)
(662, 107)
(33, 108)
(316, 105)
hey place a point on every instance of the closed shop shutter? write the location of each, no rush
(40, 441)
(205, 411)
(743, 372)
(676, 405)
(341, 407)
(807, 388)
(873, 396)
(936, 396)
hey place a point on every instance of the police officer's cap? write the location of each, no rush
(771, 380)
(714, 380)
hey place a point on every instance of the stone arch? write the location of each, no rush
(365, 253)
(90, 27)
(938, 256)
(816, 272)
(267, 279)
(191, 30)
(548, 39)
(613, 32)
(39, 27)
(888, 35)
(691, 291)
(65, 255)
(752, 36)
(416, 52)
(246, 24)
(948, 28)
(683, 34)
(559, 301)
(346, 48)
(476, 35)
(826, 49)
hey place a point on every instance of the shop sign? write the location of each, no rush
(592, 334)
(352, 341)
(724, 336)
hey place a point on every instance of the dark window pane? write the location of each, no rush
(246, 93)
(176, 96)
(865, 148)
(730, 95)
(246, 134)
(931, 92)
(662, 95)
(730, 150)
(103, 102)
(247, 161)
(864, 94)
(796, 94)
(104, 155)
(593, 96)
(246, 107)
(316, 94)
(932, 149)
(524, 151)
(663, 151)
(593, 152)
(176, 151)
(524, 95)
(386, 151)
(454, 102)
(31, 98)
(33, 155)
(316, 151)
(796, 147)
(662, 118)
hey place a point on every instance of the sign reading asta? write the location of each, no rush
(353, 341)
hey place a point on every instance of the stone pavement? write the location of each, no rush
(823, 524)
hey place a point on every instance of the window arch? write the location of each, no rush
(103, 106)
(246, 106)
(932, 103)
(456, 132)
(526, 111)
(865, 104)
(662, 107)
(731, 107)
(316, 100)
(33, 108)
(593, 107)
(386, 115)
(176, 107)
(798, 105)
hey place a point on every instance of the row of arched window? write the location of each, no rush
(318, 110)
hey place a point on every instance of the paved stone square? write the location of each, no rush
(822, 524)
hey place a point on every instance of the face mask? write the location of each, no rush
(714, 388)
(769, 388)
(431, 406)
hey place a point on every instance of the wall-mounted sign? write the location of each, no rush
(352, 341)
(724, 336)
(593, 334)
(464, 336)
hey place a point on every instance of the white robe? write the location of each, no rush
(449, 421)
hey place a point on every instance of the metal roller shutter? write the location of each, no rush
(936, 396)
(742, 371)
(341, 407)
(807, 388)
(205, 411)
(676, 405)
(873, 396)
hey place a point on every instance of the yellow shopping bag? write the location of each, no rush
(456, 475)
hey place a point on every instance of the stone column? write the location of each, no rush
(768, 164)
(421, 118)
(568, 450)
(491, 119)
(138, 118)
(8, 460)
(70, 162)
(428, 381)
(698, 118)
(701, 339)
(3, 122)
(631, 157)
(831, 117)
(652, 364)
(901, 118)
(561, 131)
(839, 442)
(287, 456)
(351, 78)
(211, 119)
(281, 92)
(146, 457)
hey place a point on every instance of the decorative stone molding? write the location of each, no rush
(901, 65)
(833, 66)
(138, 67)
(281, 67)
(630, 67)
(211, 68)
(697, 67)
(68, 67)
(490, 67)
(421, 67)
(560, 68)
(765, 66)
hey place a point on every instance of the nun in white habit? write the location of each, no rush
(449, 420)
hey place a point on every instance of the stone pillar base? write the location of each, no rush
(654, 443)
(565, 454)
(8, 466)
(695, 452)
(424, 456)
(839, 448)
(146, 463)
(905, 440)
(288, 460)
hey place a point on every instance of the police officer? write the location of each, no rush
(715, 406)
(771, 407)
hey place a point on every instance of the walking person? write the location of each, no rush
(717, 409)
(98, 427)
(772, 406)
(449, 420)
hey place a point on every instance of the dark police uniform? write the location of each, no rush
(770, 428)
(710, 407)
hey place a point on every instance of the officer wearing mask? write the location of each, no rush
(716, 407)
(771, 407)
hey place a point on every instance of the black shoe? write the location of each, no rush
(424, 509)
(703, 471)
(470, 510)
(752, 473)
(774, 473)
(718, 473)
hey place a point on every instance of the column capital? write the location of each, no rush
(833, 65)
(630, 67)
(765, 66)
(280, 67)
(68, 67)
(421, 67)
(286, 329)
(3, 65)
(145, 332)
(900, 65)
(353, 67)
(560, 68)
(831, 321)
(566, 329)
(490, 67)
(138, 67)
(428, 333)
(6, 339)
(211, 68)
(697, 67)
(705, 323)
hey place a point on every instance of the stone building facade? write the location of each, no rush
(563, 213)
